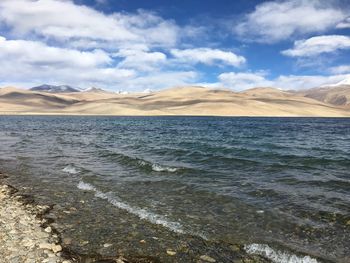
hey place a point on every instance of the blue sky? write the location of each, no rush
(137, 45)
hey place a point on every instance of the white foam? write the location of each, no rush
(142, 163)
(277, 256)
(85, 186)
(70, 169)
(141, 213)
(159, 168)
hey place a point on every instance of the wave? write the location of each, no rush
(71, 169)
(140, 212)
(157, 167)
(140, 163)
(277, 256)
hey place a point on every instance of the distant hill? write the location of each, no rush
(266, 92)
(337, 95)
(21, 101)
(54, 89)
(187, 100)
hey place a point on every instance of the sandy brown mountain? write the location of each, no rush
(334, 95)
(174, 101)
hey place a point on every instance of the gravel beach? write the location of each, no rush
(23, 235)
(28, 235)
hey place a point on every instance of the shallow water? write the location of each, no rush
(283, 183)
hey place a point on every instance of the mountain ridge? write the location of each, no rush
(54, 88)
(183, 101)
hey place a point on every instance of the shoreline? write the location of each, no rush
(28, 236)
(58, 114)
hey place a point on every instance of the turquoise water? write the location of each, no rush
(281, 182)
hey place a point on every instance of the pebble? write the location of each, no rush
(45, 245)
(48, 229)
(22, 239)
(171, 252)
(207, 258)
(56, 248)
(107, 245)
(67, 241)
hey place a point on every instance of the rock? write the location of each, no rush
(56, 248)
(67, 241)
(235, 247)
(143, 241)
(45, 246)
(29, 243)
(22, 237)
(207, 258)
(171, 252)
(107, 245)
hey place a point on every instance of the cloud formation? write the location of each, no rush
(37, 54)
(318, 45)
(79, 45)
(344, 24)
(342, 69)
(24, 60)
(208, 56)
(62, 42)
(275, 21)
(242, 81)
(140, 59)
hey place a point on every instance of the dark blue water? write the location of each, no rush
(281, 182)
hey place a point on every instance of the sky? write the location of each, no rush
(130, 45)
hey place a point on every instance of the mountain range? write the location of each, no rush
(55, 89)
(330, 101)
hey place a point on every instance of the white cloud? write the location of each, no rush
(30, 75)
(30, 63)
(279, 20)
(159, 80)
(295, 82)
(344, 24)
(22, 60)
(140, 59)
(64, 20)
(208, 56)
(37, 53)
(317, 45)
(60, 42)
(242, 81)
(340, 69)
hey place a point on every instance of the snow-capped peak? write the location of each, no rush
(343, 82)
(54, 88)
(94, 89)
